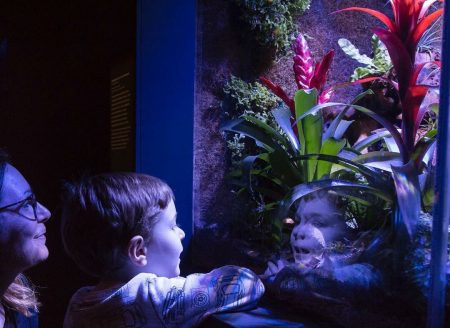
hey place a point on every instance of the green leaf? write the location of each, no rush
(337, 128)
(247, 166)
(332, 147)
(274, 134)
(353, 52)
(380, 159)
(428, 188)
(375, 177)
(408, 195)
(309, 127)
(341, 186)
(284, 169)
(380, 119)
(282, 115)
(372, 139)
(420, 150)
(264, 137)
(381, 60)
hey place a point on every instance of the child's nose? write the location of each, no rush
(181, 233)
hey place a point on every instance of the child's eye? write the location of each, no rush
(319, 223)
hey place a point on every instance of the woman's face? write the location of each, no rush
(22, 235)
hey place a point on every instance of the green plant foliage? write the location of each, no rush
(242, 98)
(271, 22)
(380, 64)
(284, 159)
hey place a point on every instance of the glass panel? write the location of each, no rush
(323, 182)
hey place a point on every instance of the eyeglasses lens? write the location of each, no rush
(28, 209)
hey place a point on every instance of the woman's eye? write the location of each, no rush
(28, 203)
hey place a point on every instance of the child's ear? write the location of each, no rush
(137, 251)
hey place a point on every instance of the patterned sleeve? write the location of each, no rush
(184, 302)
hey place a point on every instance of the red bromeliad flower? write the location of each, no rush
(401, 38)
(307, 75)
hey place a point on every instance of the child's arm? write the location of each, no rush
(186, 301)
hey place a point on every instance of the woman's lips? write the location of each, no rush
(40, 235)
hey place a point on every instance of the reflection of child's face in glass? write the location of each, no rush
(320, 224)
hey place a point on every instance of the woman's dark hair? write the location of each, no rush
(103, 212)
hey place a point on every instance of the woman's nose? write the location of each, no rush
(42, 213)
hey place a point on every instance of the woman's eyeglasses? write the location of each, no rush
(25, 207)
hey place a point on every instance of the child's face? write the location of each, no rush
(321, 224)
(164, 247)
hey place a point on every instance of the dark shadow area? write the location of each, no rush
(54, 110)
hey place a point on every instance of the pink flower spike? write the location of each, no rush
(303, 63)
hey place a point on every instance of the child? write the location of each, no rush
(121, 228)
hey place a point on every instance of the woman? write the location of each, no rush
(22, 245)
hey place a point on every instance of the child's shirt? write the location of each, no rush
(151, 301)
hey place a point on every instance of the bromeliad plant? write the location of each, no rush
(310, 79)
(401, 37)
(301, 153)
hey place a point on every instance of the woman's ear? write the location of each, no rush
(137, 251)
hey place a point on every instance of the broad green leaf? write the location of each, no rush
(251, 130)
(247, 166)
(429, 154)
(340, 186)
(309, 127)
(380, 159)
(428, 188)
(362, 72)
(375, 177)
(431, 134)
(331, 147)
(342, 128)
(270, 131)
(353, 52)
(383, 121)
(391, 144)
(284, 169)
(421, 149)
(282, 115)
(372, 139)
(381, 60)
(435, 108)
(408, 195)
(337, 128)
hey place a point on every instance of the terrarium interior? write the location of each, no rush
(315, 131)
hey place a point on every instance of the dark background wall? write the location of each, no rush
(54, 109)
